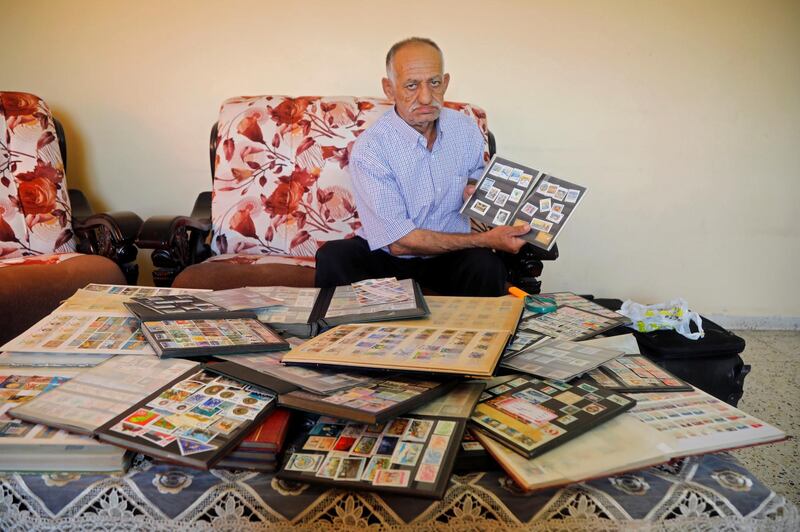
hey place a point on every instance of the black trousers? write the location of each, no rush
(468, 272)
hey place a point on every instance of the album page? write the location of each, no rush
(115, 333)
(559, 359)
(296, 306)
(17, 387)
(532, 416)
(439, 350)
(636, 373)
(700, 423)
(245, 298)
(510, 193)
(461, 335)
(458, 402)
(311, 380)
(196, 337)
(411, 455)
(97, 395)
(500, 191)
(196, 420)
(104, 298)
(486, 313)
(568, 323)
(576, 301)
(346, 302)
(622, 444)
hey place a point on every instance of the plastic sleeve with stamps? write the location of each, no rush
(510, 193)
(410, 455)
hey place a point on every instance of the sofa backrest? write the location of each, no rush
(35, 214)
(281, 185)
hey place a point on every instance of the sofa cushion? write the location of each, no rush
(281, 185)
(32, 287)
(220, 275)
(35, 214)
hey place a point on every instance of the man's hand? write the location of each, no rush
(505, 237)
(469, 190)
(426, 242)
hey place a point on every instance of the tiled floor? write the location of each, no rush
(772, 393)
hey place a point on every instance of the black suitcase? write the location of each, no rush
(712, 363)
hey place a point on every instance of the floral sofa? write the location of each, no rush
(280, 190)
(50, 242)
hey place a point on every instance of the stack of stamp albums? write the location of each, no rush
(387, 403)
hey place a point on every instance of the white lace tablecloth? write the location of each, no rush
(709, 493)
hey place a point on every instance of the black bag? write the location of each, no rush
(711, 363)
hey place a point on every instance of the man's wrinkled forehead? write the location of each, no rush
(415, 59)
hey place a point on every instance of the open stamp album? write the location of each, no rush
(509, 193)
(462, 335)
(34, 447)
(636, 373)
(661, 427)
(412, 454)
(95, 396)
(532, 416)
(374, 401)
(198, 337)
(306, 311)
(81, 332)
(172, 409)
(196, 420)
(558, 359)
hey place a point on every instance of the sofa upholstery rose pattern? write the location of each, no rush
(35, 214)
(281, 186)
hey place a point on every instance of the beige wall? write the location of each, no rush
(681, 117)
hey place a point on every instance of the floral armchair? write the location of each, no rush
(51, 243)
(280, 190)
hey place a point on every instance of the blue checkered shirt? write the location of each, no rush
(401, 186)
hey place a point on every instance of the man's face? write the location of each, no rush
(417, 85)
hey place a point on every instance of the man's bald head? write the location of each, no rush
(411, 41)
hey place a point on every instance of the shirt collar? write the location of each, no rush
(410, 134)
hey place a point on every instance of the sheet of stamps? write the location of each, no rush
(296, 307)
(374, 395)
(548, 208)
(636, 373)
(576, 301)
(438, 342)
(177, 304)
(17, 387)
(313, 380)
(240, 298)
(699, 421)
(200, 333)
(138, 291)
(372, 295)
(529, 414)
(509, 193)
(568, 323)
(407, 452)
(500, 190)
(84, 332)
(97, 395)
(559, 359)
(404, 347)
(198, 414)
(102, 299)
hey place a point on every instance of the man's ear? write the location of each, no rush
(388, 88)
(445, 82)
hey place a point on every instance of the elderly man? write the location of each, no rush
(410, 172)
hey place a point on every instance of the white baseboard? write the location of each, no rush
(771, 323)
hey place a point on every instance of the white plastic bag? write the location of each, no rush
(674, 314)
